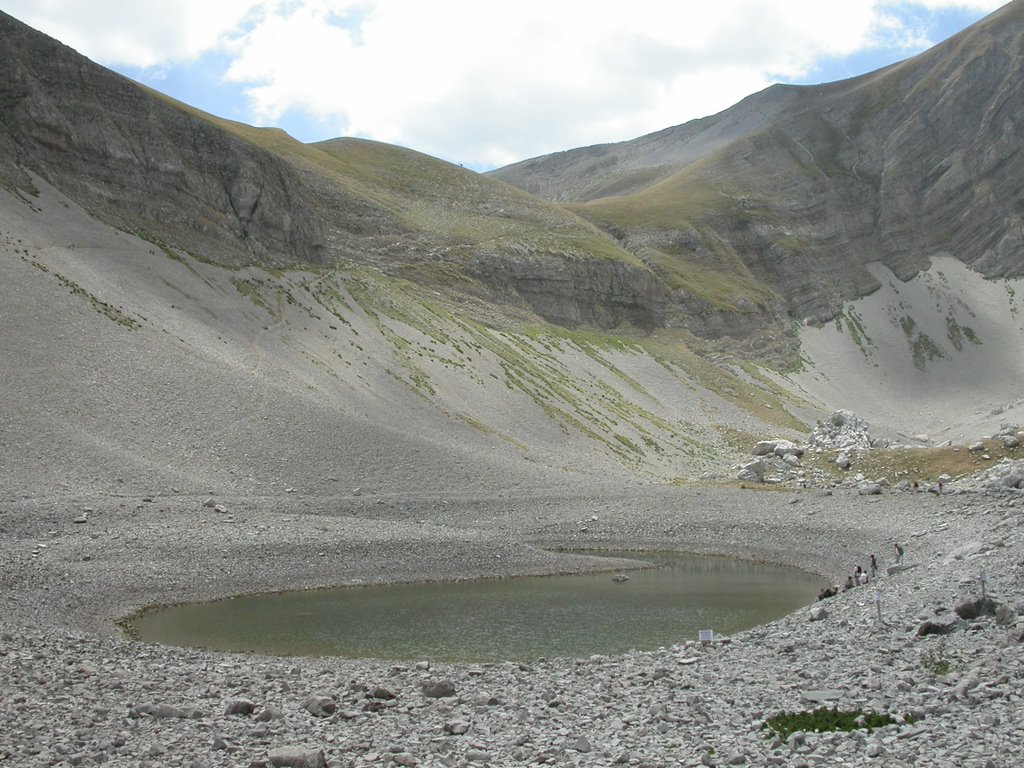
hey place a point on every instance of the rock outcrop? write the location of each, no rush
(143, 160)
(803, 186)
(766, 212)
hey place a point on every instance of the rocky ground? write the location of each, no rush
(76, 691)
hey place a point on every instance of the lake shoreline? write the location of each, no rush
(66, 583)
(657, 599)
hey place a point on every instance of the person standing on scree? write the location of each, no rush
(899, 552)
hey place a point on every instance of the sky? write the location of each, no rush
(485, 83)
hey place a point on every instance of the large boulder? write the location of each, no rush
(320, 706)
(975, 607)
(785, 448)
(936, 628)
(752, 471)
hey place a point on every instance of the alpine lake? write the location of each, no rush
(518, 619)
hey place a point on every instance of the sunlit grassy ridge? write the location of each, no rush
(679, 221)
(451, 212)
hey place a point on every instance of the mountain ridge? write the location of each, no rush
(227, 307)
(857, 150)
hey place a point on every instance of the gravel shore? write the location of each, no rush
(76, 691)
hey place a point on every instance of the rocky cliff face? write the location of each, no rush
(238, 195)
(138, 158)
(814, 183)
(580, 291)
(730, 227)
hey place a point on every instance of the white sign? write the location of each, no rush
(706, 635)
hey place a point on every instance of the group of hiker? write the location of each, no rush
(860, 576)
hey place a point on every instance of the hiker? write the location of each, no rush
(863, 578)
(856, 575)
(848, 584)
(899, 552)
(874, 566)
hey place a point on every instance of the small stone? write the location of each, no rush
(456, 727)
(163, 711)
(297, 757)
(439, 689)
(319, 706)
(268, 714)
(240, 707)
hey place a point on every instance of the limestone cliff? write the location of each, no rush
(801, 187)
(730, 227)
(139, 158)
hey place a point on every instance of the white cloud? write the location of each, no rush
(132, 33)
(487, 83)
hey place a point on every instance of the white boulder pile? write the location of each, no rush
(777, 461)
(1007, 475)
(843, 432)
(1010, 435)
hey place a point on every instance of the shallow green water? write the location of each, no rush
(510, 619)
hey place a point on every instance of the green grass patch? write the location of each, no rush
(921, 465)
(924, 351)
(825, 719)
(935, 662)
(857, 332)
(104, 308)
(726, 285)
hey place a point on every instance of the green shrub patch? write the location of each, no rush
(825, 719)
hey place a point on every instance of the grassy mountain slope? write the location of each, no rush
(133, 362)
(197, 304)
(793, 191)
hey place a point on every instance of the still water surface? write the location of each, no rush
(518, 619)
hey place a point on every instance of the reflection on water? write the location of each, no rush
(490, 620)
